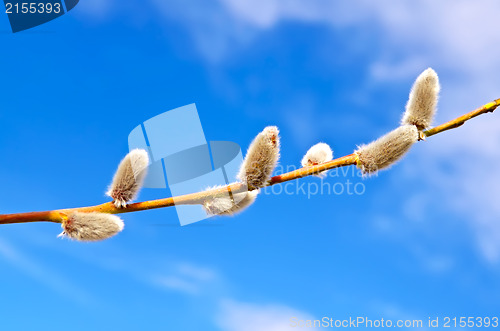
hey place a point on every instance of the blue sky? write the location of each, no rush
(423, 240)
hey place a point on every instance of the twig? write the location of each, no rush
(57, 216)
(459, 121)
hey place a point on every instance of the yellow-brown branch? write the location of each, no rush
(197, 198)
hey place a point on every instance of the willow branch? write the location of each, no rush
(57, 216)
(459, 121)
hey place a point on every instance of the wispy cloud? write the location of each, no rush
(187, 278)
(42, 274)
(177, 283)
(228, 312)
(214, 31)
(396, 71)
(242, 316)
(196, 272)
(394, 312)
(95, 9)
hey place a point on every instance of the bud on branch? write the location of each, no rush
(96, 222)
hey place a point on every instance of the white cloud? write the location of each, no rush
(241, 316)
(178, 284)
(42, 274)
(209, 285)
(461, 170)
(267, 13)
(395, 313)
(391, 72)
(206, 283)
(453, 33)
(197, 272)
(187, 278)
(96, 9)
(215, 32)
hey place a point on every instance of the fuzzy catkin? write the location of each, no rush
(129, 177)
(91, 226)
(227, 206)
(261, 158)
(317, 154)
(423, 99)
(386, 150)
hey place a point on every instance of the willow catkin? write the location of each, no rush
(423, 99)
(230, 205)
(317, 154)
(261, 158)
(129, 177)
(91, 226)
(386, 150)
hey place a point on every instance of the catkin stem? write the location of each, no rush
(459, 121)
(57, 216)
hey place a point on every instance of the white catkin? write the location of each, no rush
(129, 177)
(227, 206)
(423, 99)
(317, 154)
(386, 150)
(91, 226)
(261, 158)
